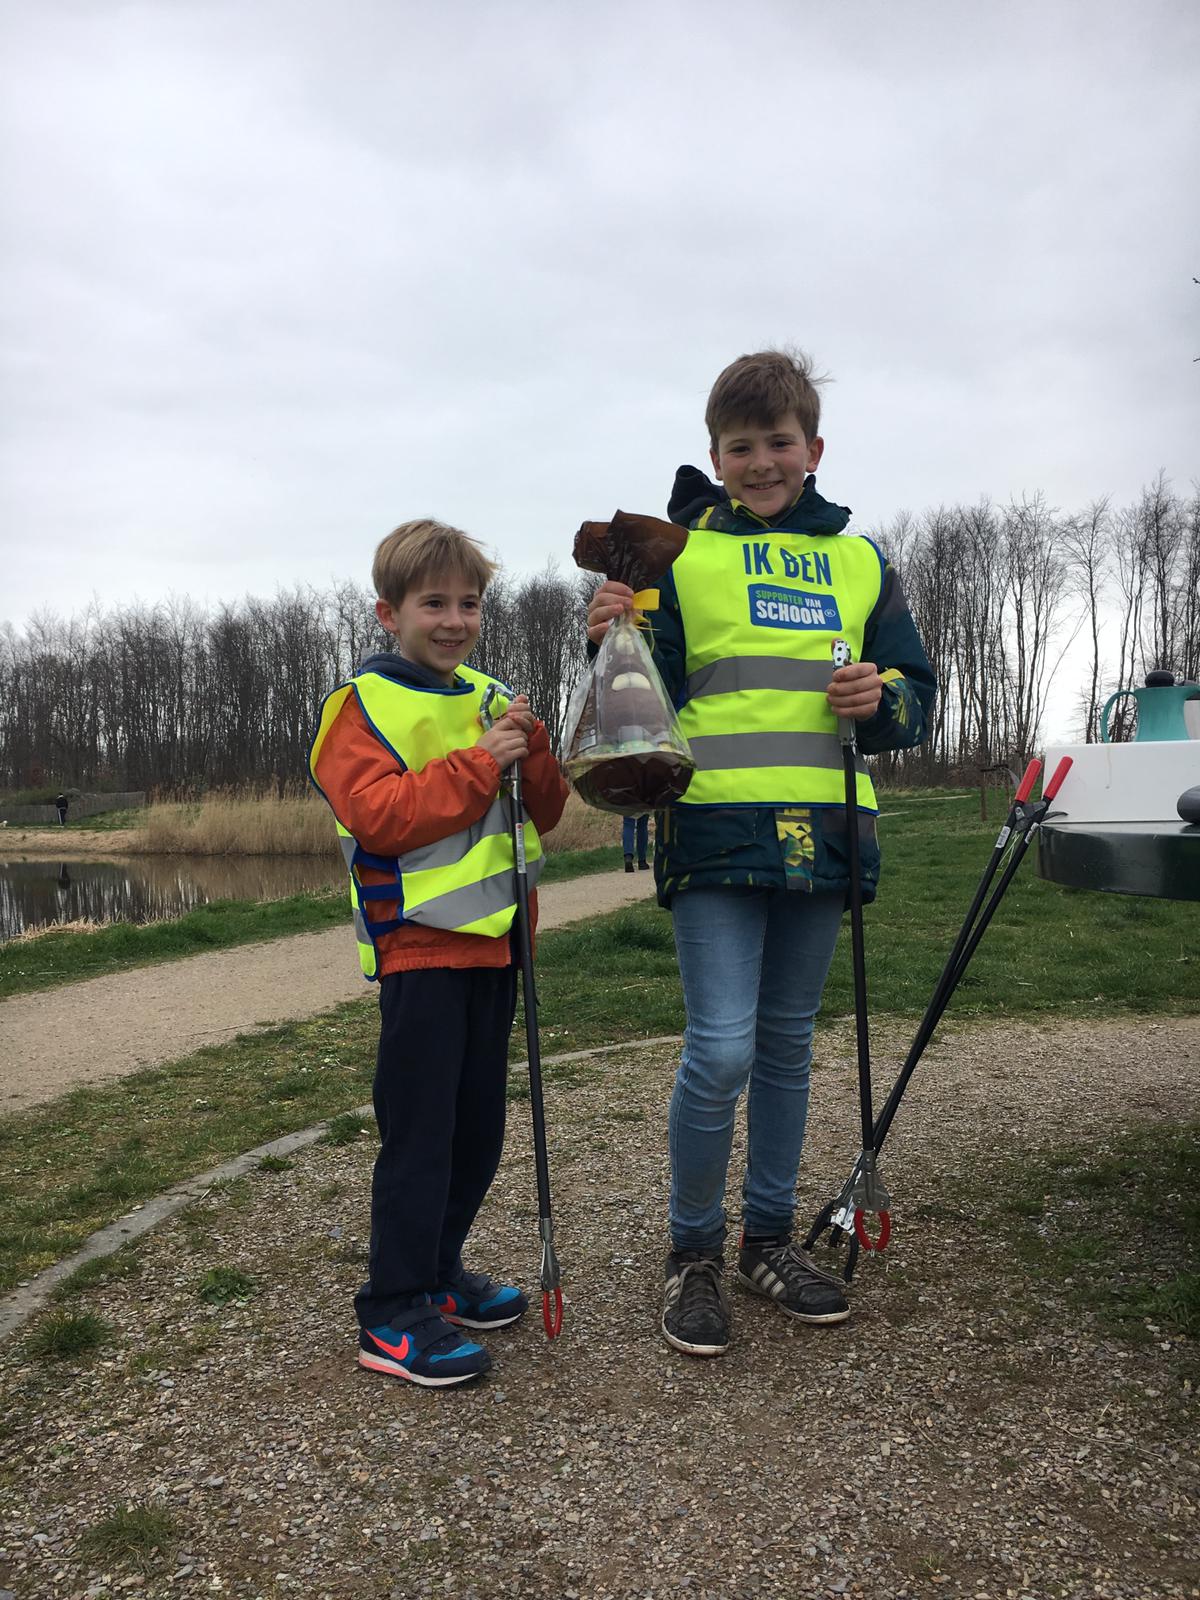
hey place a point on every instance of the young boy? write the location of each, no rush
(752, 861)
(414, 783)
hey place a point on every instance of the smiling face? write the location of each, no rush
(436, 624)
(765, 468)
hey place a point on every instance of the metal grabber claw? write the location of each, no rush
(870, 1197)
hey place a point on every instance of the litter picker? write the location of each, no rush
(870, 1195)
(842, 1217)
(552, 1302)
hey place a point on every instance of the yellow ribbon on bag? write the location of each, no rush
(644, 600)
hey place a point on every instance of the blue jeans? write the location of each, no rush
(640, 825)
(753, 964)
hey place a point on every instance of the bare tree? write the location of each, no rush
(174, 697)
(1087, 543)
(1188, 590)
(1161, 520)
(533, 638)
(1035, 579)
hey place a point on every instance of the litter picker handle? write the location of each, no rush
(1027, 782)
(1056, 782)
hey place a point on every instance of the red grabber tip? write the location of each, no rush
(1055, 784)
(1028, 781)
(885, 1231)
(552, 1313)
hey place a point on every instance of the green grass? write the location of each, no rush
(69, 1167)
(134, 1536)
(67, 1334)
(345, 1129)
(561, 864)
(1116, 1229)
(55, 959)
(1047, 950)
(220, 1285)
(123, 1263)
(99, 822)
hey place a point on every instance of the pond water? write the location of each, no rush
(35, 894)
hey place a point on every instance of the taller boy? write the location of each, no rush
(414, 783)
(752, 862)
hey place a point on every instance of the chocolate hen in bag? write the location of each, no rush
(624, 748)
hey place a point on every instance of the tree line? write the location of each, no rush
(177, 697)
(999, 594)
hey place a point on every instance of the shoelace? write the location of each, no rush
(792, 1257)
(699, 1282)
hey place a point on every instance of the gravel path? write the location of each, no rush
(103, 1028)
(968, 1433)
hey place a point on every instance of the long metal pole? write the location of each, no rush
(550, 1274)
(956, 961)
(846, 733)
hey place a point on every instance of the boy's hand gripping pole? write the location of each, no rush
(552, 1302)
(865, 1195)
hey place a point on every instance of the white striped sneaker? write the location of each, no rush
(695, 1313)
(785, 1274)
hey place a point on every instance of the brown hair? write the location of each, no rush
(760, 389)
(426, 548)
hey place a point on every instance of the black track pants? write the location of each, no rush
(439, 1101)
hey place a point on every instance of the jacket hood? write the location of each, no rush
(694, 493)
(691, 494)
(389, 664)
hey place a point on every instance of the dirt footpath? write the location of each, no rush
(103, 1028)
(972, 1433)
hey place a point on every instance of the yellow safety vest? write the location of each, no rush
(760, 614)
(464, 882)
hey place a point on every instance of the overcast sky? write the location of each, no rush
(276, 277)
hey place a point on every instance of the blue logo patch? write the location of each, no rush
(789, 608)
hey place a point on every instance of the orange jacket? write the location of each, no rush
(389, 810)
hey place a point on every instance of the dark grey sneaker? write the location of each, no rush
(695, 1314)
(787, 1275)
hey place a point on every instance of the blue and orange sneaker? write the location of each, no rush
(423, 1347)
(474, 1300)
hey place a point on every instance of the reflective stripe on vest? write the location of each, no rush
(760, 615)
(464, 882)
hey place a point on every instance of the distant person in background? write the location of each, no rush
(641, 827)
(61, 802)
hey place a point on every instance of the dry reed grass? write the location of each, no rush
(242, 823)
(81, 925)
(582, 828)
(299, 823)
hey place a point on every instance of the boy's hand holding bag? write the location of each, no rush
(624, 748)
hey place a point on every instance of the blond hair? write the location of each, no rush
(760, 389)
(426, 549)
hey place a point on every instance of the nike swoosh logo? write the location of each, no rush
(398, 1350)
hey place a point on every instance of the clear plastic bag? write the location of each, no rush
(624, 748)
